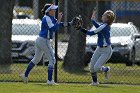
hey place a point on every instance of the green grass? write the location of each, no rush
(119, 74)
(66, 88)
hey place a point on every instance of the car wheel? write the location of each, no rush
(132, 61)
(138, 63)
(129, 63)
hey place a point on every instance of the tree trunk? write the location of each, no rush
(6, 14)
(74, 59)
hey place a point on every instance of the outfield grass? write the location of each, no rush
(66, 88)
(119, 74)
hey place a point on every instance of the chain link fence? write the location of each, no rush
(124, 62)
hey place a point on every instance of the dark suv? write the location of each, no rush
(125, 43)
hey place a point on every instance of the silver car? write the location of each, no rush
(24, 34)
(125, 40)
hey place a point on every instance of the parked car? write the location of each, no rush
(21, 15)
(23, 12)
(24, 34)
(125, 39)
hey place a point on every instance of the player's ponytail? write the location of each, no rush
(46, 6)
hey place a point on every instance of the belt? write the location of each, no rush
(103, 46)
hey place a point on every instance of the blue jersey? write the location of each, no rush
(103, 32)
(49, 25)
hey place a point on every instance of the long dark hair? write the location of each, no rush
(46, 6)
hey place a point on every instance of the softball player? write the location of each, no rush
(103, 51)
(49, 25)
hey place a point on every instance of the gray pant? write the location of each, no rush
(43, 46)
(99, 58)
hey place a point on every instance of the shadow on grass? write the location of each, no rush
(76, 71)
(44, 84)
(74, 85)
(105, 86)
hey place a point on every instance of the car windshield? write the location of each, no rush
(121, 31)
(25, 29)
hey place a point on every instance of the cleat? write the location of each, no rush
(107, 73)
(51, 82)
(24, 79)
(94, 84)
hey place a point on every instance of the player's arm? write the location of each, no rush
(55, 27)
(65, 24)
(95, 23)
(93, 20)
(73, 22)
(89, 32)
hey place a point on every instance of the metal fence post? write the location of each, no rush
(56, 41)
(35, 8)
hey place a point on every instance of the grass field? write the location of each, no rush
(119, 74)
(66, 88)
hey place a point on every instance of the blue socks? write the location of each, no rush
(94, 77)
(105, 69)
(50, 73)
(29, 68)
(31, 65)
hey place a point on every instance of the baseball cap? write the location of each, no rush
(52, 7)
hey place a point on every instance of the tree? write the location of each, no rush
(6, 15)
(74, 59)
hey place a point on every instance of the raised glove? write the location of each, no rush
(77, 22)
